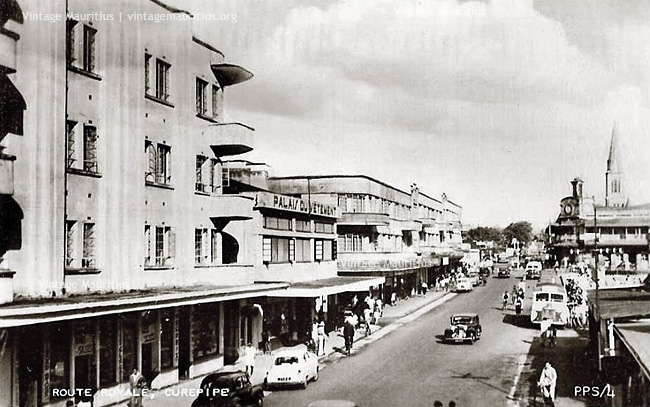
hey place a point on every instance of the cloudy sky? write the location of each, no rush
(497, 103)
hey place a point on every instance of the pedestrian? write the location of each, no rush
(379, 307)
(322, 337)
(137, 382)
(425, 288)
(348, 335)
(393, 298)
(314, 336)
(266, 342)
(249, 358)
(505, 300)
(547, 383)
(553, 336)
(518, 306)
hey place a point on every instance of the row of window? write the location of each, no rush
(285, 250)
(160, 247)
(82, 56)
(271, 222)
(362, 203)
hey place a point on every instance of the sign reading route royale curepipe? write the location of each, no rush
(290, 203)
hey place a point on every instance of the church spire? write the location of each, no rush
(614, 194)
(612, 160)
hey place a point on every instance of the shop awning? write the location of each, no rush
(94, 305)
(328, 286)
(635, 336)
(228, 74)
(12, 105)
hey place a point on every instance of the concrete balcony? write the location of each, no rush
(7, 174)
(8, 44)
(227, 207)
(363, 219)
(231, 139)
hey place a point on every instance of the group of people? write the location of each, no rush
(577, 301)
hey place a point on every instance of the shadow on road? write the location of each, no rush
(521, 321)
(570, 360)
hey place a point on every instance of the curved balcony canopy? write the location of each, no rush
(231, 139)
(10, 10)
(228, 74)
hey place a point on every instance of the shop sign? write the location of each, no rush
(293, 204)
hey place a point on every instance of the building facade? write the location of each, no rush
(126, 240)
(617, 232)
(384, 231)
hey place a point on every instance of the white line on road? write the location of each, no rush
(521, 362)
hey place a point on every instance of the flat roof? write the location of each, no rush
(636, 336)
(621, 303)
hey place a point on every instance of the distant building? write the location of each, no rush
(406, 237)
(622, 230)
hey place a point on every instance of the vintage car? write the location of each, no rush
(533, 270)
(464, 284)
(292, 366)
(229, 389)
(503, 272)
(463, 327)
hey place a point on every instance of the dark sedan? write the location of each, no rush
(229, 389)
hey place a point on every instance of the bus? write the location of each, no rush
(550, 303)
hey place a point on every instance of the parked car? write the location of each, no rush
(229, 389)
(464, 284)
(292, 366)
(463, 327)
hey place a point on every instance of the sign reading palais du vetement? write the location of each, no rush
(289, 203)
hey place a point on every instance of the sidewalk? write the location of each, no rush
(334, 346)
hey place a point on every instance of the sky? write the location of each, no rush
(499, 104)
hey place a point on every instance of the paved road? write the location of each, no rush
(412, 367)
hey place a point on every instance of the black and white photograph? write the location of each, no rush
(324, 203)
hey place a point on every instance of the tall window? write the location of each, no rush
(89, 48)
(70, 41)
(162, 79)
(199, 251)
(277, 250)
(160, 246)
(201, 97)
(82, 150)
(201, 184)
(163, 164)
(80, 238)
(158, 163)
(321, 227)
(107, 352)
(205, 246)
(166, 339)
(303, 250)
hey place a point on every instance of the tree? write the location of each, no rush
(483, 234)
(522, 231)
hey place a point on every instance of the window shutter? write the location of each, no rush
(147, 244)
(71, 139)
(168, 165)
(266, 249)
(172, 244)
(292, 250)
(334, 249)
(151, 161)
(90, 149)
(318, 253)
